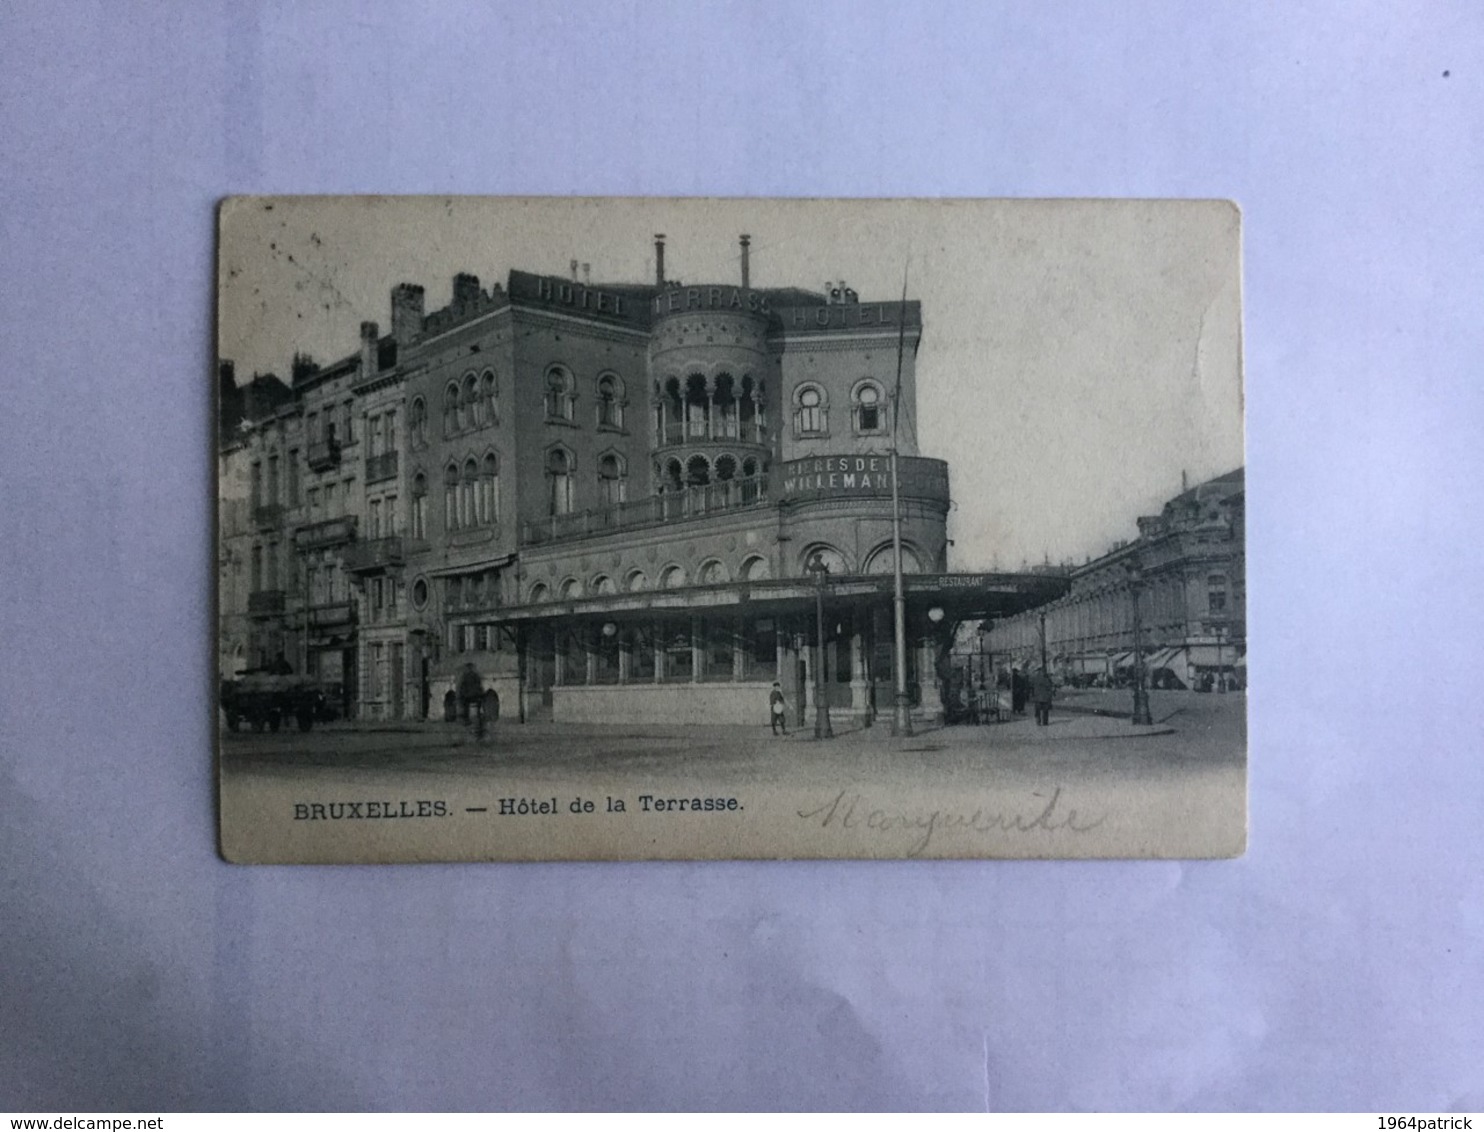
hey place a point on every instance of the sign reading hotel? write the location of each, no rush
(862, 477)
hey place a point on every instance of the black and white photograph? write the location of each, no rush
(590, 529)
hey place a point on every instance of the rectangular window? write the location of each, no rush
(389, 439)
(640, 643)
(332, 583)
(332, 501)
(313, 503)
(373, 436)
(257, 485)
(377, 673)
(293, 470)
(716, 653)
(347, 419)
(257, 568)
(574, 658)
(312, 427)
(373, 520)
(376, 599)
(679, 661)
(272, 566)
(481, 638)
(605, 659)
(761, 660)
(389, 516)
(392, 586)
(271, 493)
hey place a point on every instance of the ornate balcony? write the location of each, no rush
(268, 515)
(673, 506)
(383, 467)
(376, 555)
(323, 455)
(327, 532)
(265, 603)
(331, 615)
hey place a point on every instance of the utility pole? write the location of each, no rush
(901, 717)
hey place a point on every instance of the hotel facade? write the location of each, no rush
(620, 502)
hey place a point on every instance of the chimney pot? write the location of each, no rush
(746, 242)
(659, 259)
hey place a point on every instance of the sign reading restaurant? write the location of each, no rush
(839, 477)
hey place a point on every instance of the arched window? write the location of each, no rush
(560, 398)
(883, 560)
(451, 419)
(469, 401)
(636, 581)
(726, 468)
(672, 577)
(711, 573)
(825, 553)
(468, 503)
(603, 584)
(489, 396)
(1216, 593)
(489, 490)
(610, 401)
(571, 588)
(539, 592)
(755, 569)
(559, 473)
(870, 410)
(451, 497)
(811, 411)
(419, 506)
(612, 483)
(697, 471)
(674, 475)
(417, 423)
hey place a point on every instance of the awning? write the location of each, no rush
(1166, 657)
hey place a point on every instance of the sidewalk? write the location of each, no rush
(1064, 726)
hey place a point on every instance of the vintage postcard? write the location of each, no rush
(558, 529)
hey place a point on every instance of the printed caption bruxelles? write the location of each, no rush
(648, 803)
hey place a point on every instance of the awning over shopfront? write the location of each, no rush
(961, 597)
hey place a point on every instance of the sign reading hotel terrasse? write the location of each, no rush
(822, 477)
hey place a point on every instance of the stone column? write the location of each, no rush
(697, 650)
(860, 684)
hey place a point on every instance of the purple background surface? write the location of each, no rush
(1337, 966)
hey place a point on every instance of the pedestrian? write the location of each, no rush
(777, 709)
(1019, 686)
(1041, 693)
(471, 695)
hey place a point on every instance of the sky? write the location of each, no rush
(1077, 356)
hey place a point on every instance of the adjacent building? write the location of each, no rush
(1184, 578)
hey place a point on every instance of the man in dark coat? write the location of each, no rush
(471, 696)
(1041, 689)
(1018, 689)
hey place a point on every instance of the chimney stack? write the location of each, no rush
(370, 333)
(587, 275)
(574, 271)
(407, 312)
(746, 242)
(465, 289)
(659, 259)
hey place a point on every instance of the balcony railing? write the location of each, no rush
(376, 554)
(383, 467)
(265, 602)
(691, 502)
(266, 515)
(332, 614)
(324, 454)
(327, 532)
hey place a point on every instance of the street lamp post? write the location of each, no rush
(1220, 658)
(1141, 693)
(820, 572)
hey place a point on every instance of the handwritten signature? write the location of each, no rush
(848, 810)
